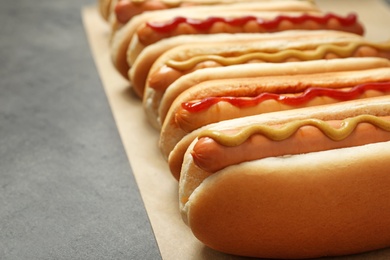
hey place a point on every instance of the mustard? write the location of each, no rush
(318, 53)
(281, 133)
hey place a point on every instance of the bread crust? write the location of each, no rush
(317, 204)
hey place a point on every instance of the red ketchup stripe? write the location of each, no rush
(309, 94)
(166, 27)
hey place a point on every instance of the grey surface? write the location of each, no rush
(66, 187)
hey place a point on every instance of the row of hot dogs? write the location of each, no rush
(273, 116)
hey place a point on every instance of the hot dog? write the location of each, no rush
(293, 78)
(154, 57)
(122, 41)
(328, 200)
(185, 59)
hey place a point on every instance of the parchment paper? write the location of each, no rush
(157, 187)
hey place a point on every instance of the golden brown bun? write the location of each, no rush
(122, 38)
(335, 73)
(325, 203)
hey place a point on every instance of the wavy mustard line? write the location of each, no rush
(319, 52)
(281, 133)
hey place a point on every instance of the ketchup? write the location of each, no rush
(309, 94)
(240, 21)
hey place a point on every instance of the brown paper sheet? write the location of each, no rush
(157, 187)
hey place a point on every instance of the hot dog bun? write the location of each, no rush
(122, 39)
(324, 203)
(293, 77)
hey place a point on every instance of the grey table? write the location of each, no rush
(66, 187)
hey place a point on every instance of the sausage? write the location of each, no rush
(153, 32)
(195, 114)
(211, 156)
